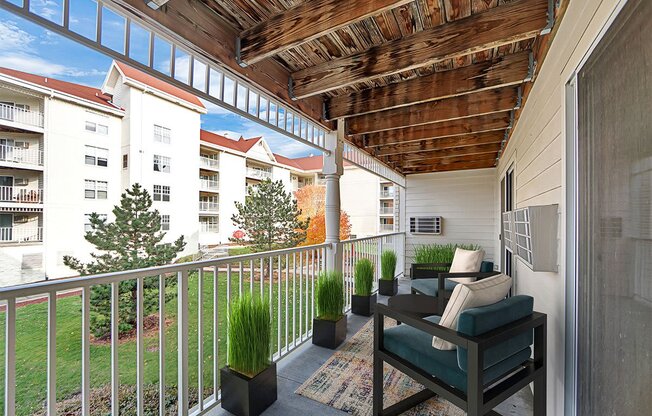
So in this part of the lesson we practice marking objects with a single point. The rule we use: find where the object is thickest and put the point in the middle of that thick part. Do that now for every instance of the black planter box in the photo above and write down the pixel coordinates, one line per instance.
(363, 305)
(329, 334)
(426, 271)
(388, 287)
(244, 396)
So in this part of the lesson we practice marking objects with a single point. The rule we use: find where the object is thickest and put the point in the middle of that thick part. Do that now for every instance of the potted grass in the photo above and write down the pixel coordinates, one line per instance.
(431, 259)
(329, 327)
(362, 301)
(388, 283)
(249, 378)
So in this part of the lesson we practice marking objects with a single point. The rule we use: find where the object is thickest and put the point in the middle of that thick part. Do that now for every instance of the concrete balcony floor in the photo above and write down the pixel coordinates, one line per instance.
(300, 365)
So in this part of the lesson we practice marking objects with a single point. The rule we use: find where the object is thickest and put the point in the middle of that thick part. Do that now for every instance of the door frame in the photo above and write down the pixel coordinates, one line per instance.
(571, 203)
(504, 198)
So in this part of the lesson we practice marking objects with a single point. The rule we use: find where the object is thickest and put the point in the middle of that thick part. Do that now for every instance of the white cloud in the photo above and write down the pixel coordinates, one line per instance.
(30, 63)
(13, 38)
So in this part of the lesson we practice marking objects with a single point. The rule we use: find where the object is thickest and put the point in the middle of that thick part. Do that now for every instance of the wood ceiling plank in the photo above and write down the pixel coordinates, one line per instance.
(499, 72)
(521, 19)
(485, 102)
(408, 135)
(305, 22)
(444, 152)
(420, 147)
(480, 164)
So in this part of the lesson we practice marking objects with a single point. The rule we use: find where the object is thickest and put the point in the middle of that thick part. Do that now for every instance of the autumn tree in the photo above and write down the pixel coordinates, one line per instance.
(311, 200)
(269, 218)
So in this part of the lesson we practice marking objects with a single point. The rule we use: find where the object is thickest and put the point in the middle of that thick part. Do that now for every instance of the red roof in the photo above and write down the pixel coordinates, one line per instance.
(158, 84)
(241, 145)
(309, 162)
(80, 91)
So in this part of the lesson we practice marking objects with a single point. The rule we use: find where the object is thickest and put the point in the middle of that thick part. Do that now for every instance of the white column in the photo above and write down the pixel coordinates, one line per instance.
(332, 170)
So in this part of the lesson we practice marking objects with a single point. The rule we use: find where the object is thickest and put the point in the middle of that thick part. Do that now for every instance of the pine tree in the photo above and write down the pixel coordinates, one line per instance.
(132, 241)
(269, 218)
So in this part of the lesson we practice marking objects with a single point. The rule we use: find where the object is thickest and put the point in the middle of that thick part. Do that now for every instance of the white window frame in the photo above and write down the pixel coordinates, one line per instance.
(161, 193)
(100, 189)
(96, 128)
(165, 222)
(96, 154)
(162, 164)
(162, 134)
(125, 161)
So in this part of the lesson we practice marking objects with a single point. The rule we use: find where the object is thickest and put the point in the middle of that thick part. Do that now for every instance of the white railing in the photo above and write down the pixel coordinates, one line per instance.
(257, 173)
(20, 195)
(20, 115)
(20, 234)
(371, 248)
(206, 206)
(286, 277)
(15, 154)
(208, 228)
(386, 210)
(209, 184)
(386, 227)
(210, 163)
(387, 193)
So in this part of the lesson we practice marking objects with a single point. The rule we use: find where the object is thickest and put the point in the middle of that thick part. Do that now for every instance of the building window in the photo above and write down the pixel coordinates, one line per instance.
(161, 193)
(161, 164)
(95, 189)
(87, 221)
(97, 128)
(161, 134)
(125, 161)
(165, 223)
(96, 156)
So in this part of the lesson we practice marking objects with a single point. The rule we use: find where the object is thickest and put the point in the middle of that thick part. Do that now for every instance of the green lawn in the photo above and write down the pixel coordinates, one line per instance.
(31, 327)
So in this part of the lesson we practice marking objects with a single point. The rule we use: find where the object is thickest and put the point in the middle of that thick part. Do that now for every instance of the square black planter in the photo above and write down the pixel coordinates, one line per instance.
(244, 396)
(388, 287)
(329, 334)
(363, 305)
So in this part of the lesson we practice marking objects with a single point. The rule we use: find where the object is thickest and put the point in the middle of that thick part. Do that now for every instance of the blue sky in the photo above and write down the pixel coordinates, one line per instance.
(28, 47)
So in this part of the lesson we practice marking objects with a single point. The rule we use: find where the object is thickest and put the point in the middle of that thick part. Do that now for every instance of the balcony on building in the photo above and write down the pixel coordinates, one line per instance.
(209, 183)
(20, 227)
(20, 112)
(209, 161)
(299, 181)
(259, 172)
(386, 208)
(209, 205)
(386, 225)
(21, 152)
(386, 190)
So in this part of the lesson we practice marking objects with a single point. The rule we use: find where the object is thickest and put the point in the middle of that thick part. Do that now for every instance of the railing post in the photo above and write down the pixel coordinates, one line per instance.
(333, 168)
(182, 342)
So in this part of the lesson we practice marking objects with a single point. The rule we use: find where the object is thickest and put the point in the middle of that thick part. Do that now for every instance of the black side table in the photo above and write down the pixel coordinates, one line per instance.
(420, 305)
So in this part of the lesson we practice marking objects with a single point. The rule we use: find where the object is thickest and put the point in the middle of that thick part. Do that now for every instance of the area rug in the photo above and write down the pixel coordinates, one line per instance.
(345, 381)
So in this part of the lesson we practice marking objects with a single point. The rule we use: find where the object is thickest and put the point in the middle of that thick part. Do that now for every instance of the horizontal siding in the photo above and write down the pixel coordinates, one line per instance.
(466, 202)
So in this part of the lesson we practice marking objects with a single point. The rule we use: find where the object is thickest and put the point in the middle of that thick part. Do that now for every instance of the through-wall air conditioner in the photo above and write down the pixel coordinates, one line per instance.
(426, 225)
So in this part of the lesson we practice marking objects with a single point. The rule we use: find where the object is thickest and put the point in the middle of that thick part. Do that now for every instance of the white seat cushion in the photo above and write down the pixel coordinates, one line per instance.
(471, 295)
(466, 261)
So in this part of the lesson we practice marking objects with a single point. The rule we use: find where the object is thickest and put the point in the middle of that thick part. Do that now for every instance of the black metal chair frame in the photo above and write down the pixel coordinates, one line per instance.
(442, 294)
(478, 401)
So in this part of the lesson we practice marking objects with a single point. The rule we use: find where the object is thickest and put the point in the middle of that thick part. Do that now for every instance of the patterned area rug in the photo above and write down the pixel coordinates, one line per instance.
(345, 381)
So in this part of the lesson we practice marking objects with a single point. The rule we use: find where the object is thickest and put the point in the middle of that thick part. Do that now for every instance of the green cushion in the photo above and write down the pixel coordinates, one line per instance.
(415, 346)
(430, 287)
(487, 266)
(477, 321)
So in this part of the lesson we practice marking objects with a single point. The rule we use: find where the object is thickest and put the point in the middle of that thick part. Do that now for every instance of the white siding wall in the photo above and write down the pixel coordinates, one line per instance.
(465, 200)
(359, 192)
(232, 188)
(536, 151)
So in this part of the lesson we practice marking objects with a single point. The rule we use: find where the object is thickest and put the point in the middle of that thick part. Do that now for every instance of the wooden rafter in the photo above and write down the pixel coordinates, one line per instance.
(486, 102)
(305, 22)
(439, 167)
(408, 135)
(412, 158)
(518, 20)
(499, 72)
(420, 148)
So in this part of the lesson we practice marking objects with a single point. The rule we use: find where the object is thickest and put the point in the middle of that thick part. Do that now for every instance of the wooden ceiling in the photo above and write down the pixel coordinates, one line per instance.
(424, 85)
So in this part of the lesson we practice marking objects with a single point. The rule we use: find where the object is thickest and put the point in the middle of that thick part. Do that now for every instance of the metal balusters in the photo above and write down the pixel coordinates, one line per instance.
(140, 353)
(52, 355)
(216, 333)
(182, 342)
(200, 337)
(115, 319)
(294, 299)
(161, 346)
(251, 277)
(300, 295)
(240, 280)
(312, 288)
(86, 351)
(228, 304)
(287, 295)
(278, 306)
(10, 358)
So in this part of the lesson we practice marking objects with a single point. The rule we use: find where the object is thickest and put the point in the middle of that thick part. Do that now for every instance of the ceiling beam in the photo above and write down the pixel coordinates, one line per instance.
(518, 20)
(499, 72)
(428, 156)
(388, 138)
(478, 164)
(448, 142)
(305, 22)
(485, 102)
(204, 31)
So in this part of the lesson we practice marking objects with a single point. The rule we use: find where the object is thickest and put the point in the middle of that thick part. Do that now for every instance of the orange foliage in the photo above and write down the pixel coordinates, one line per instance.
(310, 200)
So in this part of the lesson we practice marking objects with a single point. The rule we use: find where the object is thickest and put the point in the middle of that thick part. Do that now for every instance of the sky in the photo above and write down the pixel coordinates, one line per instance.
(27, 47)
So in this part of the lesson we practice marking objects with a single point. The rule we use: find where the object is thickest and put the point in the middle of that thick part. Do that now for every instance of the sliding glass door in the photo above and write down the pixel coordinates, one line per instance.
(614, 218)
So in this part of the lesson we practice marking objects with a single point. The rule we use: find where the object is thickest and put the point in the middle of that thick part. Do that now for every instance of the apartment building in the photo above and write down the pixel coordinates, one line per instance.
(68, 150)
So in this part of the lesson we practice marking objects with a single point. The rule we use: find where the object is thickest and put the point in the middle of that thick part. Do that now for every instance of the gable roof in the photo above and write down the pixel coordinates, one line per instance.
(241, 145)
(83, 92)
(153, 82)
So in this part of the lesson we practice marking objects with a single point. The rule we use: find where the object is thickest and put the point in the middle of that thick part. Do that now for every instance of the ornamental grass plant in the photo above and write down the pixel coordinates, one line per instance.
(249, 332)
(364, 277)
(387, 265)
(439, 253)
(330, 296)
